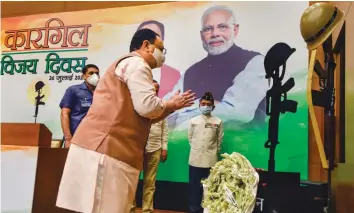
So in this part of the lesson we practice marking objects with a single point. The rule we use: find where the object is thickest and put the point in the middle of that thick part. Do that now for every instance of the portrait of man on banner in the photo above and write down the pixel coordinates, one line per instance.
(234, 75)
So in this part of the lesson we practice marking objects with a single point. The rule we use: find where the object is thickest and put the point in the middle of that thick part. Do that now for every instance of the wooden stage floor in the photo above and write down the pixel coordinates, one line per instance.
(159, 211)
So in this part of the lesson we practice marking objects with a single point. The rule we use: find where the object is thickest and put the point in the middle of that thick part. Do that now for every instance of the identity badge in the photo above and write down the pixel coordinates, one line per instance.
(86, 102)
(211, 125)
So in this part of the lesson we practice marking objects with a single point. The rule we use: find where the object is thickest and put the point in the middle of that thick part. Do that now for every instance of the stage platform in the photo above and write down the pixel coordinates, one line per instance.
(34, 171)
(159, 211)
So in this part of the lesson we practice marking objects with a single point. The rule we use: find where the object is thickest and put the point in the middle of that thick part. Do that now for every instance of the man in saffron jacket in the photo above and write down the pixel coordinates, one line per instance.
(106, 155)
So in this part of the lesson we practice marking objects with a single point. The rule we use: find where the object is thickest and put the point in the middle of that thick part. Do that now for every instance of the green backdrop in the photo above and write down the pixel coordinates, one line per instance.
(291, 154)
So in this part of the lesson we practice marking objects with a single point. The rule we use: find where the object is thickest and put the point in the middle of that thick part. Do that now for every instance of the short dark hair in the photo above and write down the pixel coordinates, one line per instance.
(208, 96)
(140, 36)
(158, 24)
(89, 66)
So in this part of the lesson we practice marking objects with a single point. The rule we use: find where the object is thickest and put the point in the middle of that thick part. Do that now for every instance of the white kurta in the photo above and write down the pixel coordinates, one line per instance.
(96, 183)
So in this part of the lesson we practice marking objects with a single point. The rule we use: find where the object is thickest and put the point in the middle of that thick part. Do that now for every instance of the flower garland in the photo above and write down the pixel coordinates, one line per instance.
(231, 186)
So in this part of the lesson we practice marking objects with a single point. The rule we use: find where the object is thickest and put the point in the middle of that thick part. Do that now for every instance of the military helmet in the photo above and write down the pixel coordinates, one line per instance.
(276, 57)
(39, 85)
(318, 22)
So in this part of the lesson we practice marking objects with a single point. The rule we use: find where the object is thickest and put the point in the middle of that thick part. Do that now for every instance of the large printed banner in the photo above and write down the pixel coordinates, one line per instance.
(216, 47)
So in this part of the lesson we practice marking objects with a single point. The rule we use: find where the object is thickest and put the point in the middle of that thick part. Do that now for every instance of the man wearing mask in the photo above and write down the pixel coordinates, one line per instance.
(205, 135)
(106, 155)
(167, 76)
(77, 101)
(155, 152)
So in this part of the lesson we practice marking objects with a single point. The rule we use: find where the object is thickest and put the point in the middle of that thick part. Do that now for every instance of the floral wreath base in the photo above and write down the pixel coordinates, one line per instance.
(231, 186)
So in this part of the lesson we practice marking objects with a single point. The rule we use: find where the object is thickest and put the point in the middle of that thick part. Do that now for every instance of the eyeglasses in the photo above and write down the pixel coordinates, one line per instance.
(162, 49)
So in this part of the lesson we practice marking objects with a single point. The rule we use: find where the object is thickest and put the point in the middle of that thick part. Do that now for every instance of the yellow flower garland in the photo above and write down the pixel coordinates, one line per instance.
(231, 186)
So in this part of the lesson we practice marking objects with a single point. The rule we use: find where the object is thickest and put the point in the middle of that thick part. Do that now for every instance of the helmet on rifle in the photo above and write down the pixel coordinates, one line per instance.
(318, 22)
(39, 85)
(276, 57)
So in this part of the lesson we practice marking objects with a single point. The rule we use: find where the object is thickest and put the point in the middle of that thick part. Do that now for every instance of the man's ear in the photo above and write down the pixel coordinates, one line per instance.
(202, 36)
(236, 28)
(146, 44)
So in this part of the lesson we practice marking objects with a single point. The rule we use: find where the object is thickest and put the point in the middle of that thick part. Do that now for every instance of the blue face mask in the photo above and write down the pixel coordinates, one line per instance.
(206, 110)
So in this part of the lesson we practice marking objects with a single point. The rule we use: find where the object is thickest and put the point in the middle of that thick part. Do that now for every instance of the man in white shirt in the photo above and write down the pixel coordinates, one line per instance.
(155, 151)
(205, 135)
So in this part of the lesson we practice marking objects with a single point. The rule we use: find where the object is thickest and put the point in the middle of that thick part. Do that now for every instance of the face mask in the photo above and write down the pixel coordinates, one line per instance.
(159, 57)
(206, 110)
(93, 80)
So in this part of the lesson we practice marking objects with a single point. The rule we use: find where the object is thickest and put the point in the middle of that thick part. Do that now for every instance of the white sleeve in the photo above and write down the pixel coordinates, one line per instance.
(136, 73)
(164, 138)
(241, 100)
(220, 136)
(190, 132)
